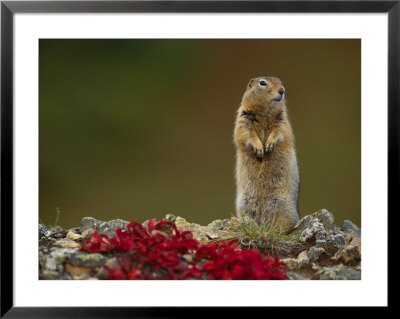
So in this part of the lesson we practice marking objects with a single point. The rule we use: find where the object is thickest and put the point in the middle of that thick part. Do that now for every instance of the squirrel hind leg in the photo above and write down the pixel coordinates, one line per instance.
(282, 213)
(244, 208)
(285, 222)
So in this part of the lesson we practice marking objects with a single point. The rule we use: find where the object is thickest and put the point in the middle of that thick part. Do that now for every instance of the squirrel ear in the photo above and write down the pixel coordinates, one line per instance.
(250, 83)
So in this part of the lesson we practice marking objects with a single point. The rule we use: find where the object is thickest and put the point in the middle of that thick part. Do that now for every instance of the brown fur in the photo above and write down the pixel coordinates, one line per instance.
(267, 173)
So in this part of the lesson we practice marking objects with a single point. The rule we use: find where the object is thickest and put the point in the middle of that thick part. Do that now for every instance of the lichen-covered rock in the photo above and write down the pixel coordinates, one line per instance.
(349, 226)
(355, 240)
(318, 227)
(315, 267)
(325, 218)
(337, 240)
(219, 224)
(182, 224)
(58, 232)
(314, 253)
(44, 231)
(291, 263)
(89, 222)
(57, 257)
(88, 232)
(315, 231)
(87, 259)
(118, 223)
(295, 276)
(347, 254)
(315, 226)
(339, 272)
(74, 236)
(204, 234)
(66, 243)
(303, 259)
(108, 228)
(314, 243)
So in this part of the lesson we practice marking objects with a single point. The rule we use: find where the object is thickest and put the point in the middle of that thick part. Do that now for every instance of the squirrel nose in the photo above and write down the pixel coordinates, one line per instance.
(281, 91)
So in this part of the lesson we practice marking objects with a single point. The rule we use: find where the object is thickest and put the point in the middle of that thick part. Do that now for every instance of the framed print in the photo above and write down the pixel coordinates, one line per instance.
(233, 145)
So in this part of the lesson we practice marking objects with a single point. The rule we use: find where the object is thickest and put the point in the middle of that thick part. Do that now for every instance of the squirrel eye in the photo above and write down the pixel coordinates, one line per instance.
(263, 83)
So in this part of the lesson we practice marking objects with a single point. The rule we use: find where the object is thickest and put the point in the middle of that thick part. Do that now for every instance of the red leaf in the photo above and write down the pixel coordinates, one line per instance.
(150, 225)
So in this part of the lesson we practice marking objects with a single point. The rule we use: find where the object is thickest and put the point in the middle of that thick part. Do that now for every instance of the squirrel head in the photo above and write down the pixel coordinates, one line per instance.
(265, 90)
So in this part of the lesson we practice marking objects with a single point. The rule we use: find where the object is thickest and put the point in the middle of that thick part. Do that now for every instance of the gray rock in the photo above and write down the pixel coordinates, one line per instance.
(87, 259)
(89, 222)
(314, 230)
(56, 258)
(118, 223)
(326, 219)
(59, 232)
(339, 272)
(303, 223)
(314, 253)
(290, 263)
(44, 231)
(183, 224)
(338, 240)
(347, 254)
(219, 224)
(303, 259)
(66, 243)
(108, 228)
(294, 276)
(337, 230)
(349, 227)
(315, 226)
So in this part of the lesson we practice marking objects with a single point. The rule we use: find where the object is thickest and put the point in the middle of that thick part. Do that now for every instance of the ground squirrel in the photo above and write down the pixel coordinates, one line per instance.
(267, 175)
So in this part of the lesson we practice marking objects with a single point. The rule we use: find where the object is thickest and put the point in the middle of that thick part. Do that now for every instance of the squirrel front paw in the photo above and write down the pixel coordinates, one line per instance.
(269, 147)
(259, 152)
(257, 148)
(273, 139)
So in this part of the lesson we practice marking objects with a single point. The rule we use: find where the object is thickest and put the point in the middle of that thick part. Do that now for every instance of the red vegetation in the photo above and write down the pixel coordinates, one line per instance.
(227, 261)
(163, 252)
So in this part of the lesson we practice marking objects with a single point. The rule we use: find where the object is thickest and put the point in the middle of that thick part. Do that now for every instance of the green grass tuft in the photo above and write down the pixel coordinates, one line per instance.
(267, 236)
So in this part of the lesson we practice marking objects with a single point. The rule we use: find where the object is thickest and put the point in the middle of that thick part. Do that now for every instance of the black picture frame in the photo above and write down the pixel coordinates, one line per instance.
(9, 8)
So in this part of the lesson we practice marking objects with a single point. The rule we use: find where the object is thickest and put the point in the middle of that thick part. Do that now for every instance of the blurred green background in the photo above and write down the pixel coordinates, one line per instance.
(136, 129)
